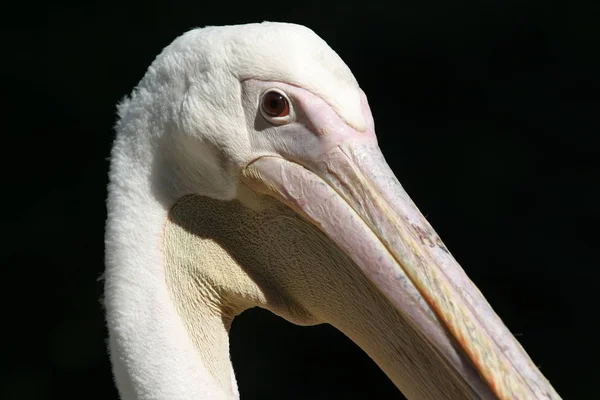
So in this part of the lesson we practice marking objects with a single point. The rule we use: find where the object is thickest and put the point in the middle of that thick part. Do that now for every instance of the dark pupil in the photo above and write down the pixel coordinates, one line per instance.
(274, 104)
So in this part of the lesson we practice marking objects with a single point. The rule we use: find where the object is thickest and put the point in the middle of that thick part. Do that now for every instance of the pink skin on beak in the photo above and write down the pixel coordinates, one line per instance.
(336, 177)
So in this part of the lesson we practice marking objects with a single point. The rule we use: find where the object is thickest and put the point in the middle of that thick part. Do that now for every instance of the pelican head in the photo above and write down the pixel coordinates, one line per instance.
(246, 172)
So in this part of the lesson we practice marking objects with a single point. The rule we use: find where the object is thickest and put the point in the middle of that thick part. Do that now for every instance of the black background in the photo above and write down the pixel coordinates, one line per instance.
(485, 110)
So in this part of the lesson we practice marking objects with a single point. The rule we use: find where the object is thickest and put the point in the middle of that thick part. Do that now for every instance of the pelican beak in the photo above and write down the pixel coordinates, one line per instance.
(352, 196)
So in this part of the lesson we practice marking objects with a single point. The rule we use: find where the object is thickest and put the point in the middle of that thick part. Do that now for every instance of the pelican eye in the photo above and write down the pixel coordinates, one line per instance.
(275, 104)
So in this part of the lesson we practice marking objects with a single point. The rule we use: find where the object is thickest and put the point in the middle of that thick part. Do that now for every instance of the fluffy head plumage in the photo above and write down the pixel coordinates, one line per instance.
(277, 52)
(190, 96)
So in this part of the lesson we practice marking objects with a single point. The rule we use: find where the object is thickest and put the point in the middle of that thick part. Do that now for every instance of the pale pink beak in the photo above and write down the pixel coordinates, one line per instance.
(344, 187)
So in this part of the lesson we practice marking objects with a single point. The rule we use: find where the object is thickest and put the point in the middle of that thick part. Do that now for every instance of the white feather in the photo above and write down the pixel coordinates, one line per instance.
(184, 130)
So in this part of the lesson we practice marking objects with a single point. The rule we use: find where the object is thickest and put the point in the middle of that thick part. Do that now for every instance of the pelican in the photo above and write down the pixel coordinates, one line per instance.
(246, 172)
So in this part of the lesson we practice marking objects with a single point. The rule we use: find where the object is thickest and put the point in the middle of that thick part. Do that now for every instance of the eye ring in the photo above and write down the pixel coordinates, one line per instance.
(276, 107)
